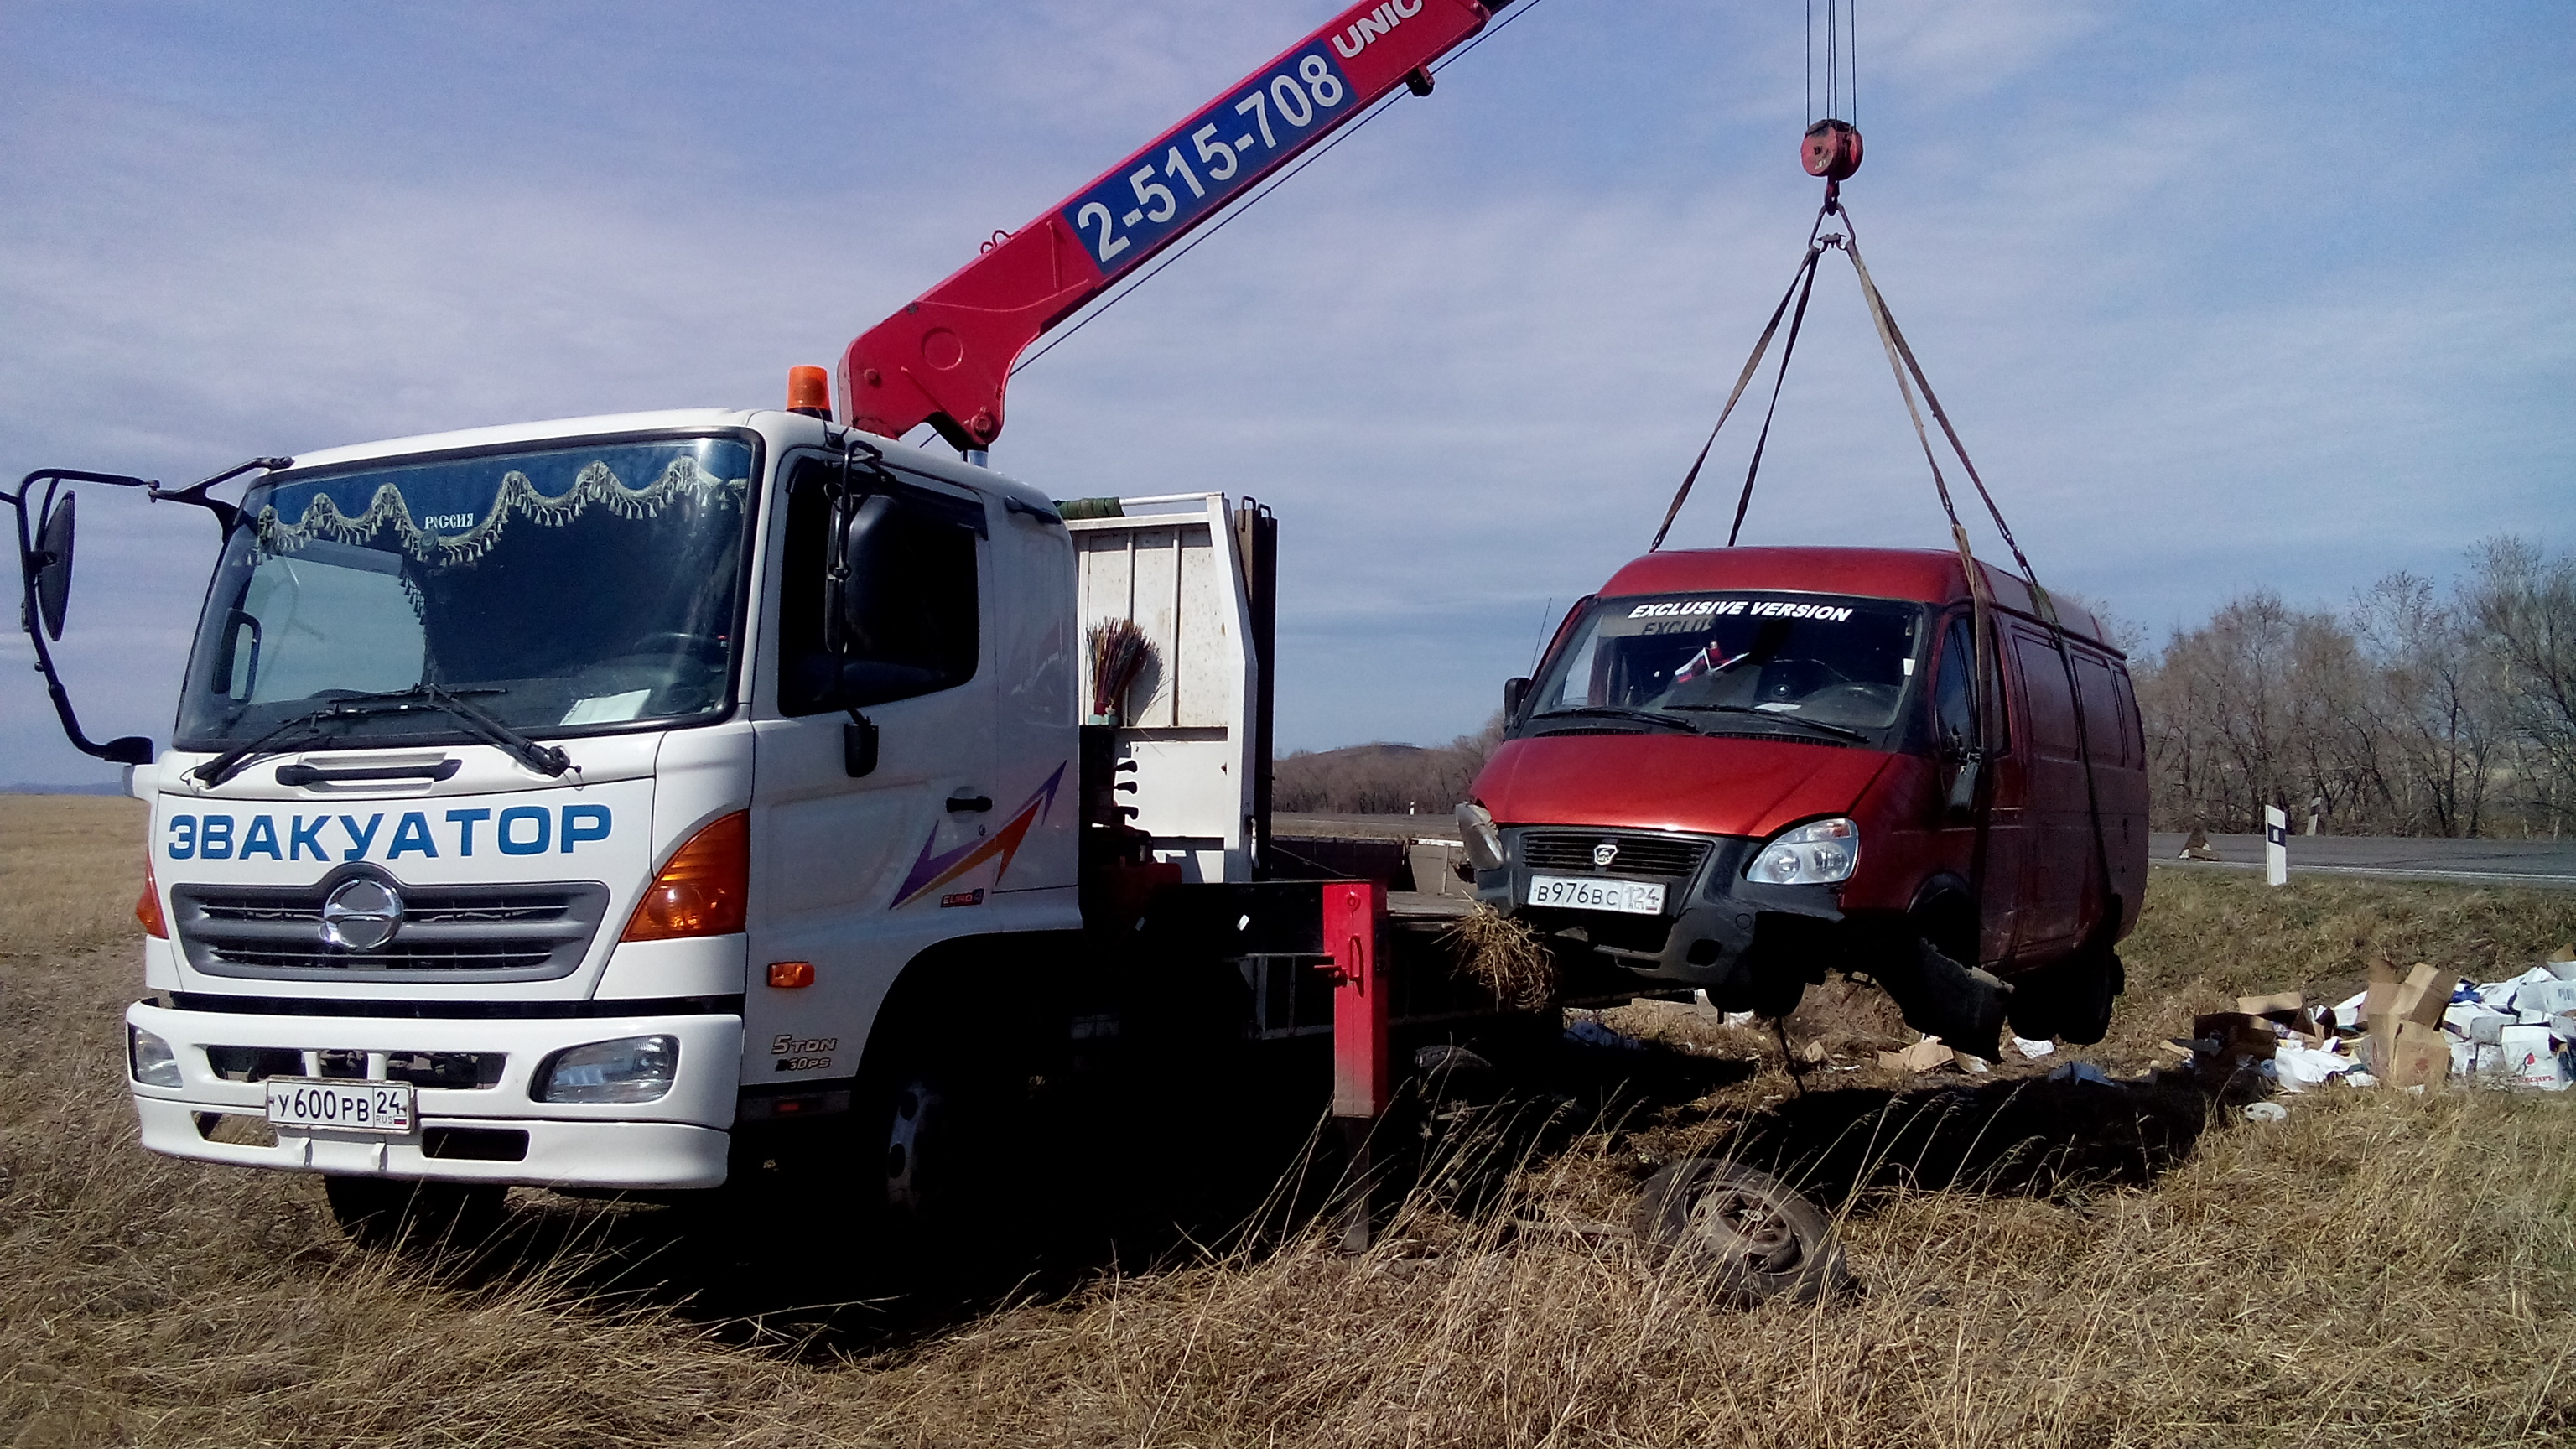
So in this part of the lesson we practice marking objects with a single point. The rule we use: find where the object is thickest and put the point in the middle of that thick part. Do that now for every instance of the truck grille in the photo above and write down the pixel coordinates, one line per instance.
(456, 1071)
(1666, 855)
(450, 933)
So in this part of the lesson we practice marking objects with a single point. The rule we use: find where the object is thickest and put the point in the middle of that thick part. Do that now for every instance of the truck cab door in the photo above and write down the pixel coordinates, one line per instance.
(873, 774)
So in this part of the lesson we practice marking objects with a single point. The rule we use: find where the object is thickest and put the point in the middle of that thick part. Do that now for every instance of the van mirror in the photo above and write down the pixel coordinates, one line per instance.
(1513, 691)
(1965, 765)
(52, 566)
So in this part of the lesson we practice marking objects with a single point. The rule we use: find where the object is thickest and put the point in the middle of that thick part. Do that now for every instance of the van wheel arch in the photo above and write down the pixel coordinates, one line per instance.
(1944, 913)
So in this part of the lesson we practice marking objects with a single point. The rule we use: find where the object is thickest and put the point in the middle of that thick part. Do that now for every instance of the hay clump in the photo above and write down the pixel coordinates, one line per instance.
(1505, 957)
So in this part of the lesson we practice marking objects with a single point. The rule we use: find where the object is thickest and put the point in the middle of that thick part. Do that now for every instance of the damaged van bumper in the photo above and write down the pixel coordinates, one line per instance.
(1740, 940)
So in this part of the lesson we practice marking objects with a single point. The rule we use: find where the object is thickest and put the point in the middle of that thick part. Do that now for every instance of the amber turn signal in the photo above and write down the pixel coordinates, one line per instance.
(147, 909)
(809, 391)
(788, 975)
(704, 888)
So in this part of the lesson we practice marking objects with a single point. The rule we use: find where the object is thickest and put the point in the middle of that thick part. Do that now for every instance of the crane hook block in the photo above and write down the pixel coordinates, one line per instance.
(1831, 150)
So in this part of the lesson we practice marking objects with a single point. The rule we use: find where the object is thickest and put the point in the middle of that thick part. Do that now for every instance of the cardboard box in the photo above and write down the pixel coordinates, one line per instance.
(2419, 1056)
(2282, 1002)
(2379, 1009)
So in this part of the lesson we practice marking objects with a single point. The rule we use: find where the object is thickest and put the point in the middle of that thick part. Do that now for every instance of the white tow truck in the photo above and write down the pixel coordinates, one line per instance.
(640, 803)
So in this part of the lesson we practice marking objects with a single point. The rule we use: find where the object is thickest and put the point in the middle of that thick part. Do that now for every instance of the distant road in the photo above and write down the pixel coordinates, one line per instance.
(2463, 862)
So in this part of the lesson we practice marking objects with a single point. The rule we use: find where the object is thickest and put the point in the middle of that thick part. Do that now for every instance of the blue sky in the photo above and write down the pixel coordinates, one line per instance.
(2222, 296)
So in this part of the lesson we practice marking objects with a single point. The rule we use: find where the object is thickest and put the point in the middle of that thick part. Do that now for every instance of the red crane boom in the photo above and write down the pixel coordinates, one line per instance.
(946, 358)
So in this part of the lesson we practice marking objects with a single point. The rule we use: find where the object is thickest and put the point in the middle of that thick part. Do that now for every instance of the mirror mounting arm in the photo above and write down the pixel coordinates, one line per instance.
(126, 749)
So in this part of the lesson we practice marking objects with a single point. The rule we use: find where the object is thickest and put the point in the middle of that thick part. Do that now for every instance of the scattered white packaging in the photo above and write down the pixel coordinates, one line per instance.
(2464, 1054)
(2563, 970)
(2348, 1012)
(2483, 1027)
(2300, 1067)
(2033, 1050)
(2548, 997)
(2530, 1060)
(2458, 1018)
(2486, 1058)
(2563, 1027)
(1740, 1018)
(2266, 1112)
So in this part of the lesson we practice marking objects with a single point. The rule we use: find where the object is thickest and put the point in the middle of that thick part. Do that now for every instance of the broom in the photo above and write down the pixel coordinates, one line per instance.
(1119, 653)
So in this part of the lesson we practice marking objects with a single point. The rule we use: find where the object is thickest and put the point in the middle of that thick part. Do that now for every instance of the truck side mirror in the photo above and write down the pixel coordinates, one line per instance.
(1513, 691)
(52, 565)
(857, 556)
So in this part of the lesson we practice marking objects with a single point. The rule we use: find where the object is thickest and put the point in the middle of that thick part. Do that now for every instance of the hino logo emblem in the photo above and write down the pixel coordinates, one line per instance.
(361, 915)
(1604, 853)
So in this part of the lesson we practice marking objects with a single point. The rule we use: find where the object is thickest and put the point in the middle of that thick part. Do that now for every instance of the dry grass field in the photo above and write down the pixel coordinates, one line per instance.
(2042, 1262)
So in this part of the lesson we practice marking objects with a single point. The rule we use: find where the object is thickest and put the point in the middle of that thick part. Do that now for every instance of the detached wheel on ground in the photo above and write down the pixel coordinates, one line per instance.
(383, 1212)
(1754, 1237)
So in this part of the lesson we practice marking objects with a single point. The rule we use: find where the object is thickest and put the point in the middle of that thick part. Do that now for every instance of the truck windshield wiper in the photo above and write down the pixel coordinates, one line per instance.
(543, 759)
(1844, 731)
(1621, 711)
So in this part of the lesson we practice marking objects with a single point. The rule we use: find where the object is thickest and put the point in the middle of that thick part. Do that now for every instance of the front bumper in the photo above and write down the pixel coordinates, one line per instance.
(1719, 931)
(680, 1141)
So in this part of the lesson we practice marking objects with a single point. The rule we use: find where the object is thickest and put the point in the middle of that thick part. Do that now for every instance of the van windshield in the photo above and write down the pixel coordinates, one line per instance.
(561, 590)
(1799, 665)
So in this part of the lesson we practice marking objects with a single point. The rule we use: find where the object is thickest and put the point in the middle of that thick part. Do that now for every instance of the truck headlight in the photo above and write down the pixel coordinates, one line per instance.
(1819, 852)
(1476, 831)
(151, 1059)
(629, 1069)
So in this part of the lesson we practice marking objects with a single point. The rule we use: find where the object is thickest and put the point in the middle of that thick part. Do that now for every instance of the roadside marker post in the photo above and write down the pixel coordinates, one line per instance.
(2276, 846)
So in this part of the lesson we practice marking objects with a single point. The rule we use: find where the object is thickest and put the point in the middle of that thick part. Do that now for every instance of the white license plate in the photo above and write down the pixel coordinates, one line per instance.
(1629, 897)
(347, 1106)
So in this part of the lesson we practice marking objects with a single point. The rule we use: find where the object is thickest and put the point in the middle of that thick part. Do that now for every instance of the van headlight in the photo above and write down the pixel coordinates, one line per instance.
(1476, 831)
(152, 1061)
(1819, 852)
(629, 1069)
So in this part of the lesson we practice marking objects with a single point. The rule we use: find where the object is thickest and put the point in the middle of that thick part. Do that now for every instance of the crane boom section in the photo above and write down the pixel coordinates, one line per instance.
(946, 358)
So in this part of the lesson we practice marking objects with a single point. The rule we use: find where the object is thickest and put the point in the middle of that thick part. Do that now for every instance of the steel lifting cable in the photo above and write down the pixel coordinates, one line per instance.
(1800, 284)
(1909, 376)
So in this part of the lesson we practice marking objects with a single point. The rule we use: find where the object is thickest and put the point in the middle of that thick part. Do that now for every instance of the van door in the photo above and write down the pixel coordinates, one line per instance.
(873, 774)
(2061, 880)
(1980, 781)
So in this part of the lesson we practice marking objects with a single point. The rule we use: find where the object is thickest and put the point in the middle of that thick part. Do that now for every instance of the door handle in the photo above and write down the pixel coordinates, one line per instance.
(963, 804)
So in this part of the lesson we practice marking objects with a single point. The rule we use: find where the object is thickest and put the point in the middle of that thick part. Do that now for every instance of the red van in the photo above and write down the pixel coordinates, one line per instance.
(1738, 769)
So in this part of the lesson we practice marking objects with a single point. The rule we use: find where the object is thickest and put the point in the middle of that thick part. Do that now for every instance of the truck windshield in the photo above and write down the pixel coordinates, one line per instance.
(563, 590)
(1807, 665)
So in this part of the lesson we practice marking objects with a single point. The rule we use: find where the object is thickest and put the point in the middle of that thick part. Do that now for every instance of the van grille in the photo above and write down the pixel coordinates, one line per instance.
(449, 933)
(1666, 855)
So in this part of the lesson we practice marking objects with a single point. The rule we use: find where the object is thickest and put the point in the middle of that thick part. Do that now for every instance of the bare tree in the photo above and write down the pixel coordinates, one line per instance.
(2525, 608)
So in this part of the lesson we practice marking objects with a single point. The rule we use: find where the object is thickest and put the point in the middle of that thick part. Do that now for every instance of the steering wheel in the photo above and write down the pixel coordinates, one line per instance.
(675, 641)
(1786, 679)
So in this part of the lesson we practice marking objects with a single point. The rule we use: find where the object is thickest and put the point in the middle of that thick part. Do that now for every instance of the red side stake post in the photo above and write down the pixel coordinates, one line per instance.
(1354, 922)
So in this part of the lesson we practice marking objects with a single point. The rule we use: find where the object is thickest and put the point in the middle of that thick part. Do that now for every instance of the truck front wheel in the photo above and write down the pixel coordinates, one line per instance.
(384, 1212)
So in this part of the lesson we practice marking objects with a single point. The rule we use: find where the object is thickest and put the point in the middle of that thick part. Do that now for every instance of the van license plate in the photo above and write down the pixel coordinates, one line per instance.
(1628, 897)
(345, 1105)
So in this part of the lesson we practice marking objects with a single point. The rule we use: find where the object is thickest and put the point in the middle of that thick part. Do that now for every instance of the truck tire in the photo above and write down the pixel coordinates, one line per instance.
(1754, 1237)
(388, 1212)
